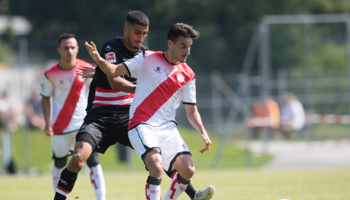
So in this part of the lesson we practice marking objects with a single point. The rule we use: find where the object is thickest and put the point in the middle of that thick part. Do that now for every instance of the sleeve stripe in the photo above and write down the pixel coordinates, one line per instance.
(189, 103)
(127, 68)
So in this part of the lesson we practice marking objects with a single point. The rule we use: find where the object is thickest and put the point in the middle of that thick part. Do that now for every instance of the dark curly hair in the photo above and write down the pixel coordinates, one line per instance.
(180, 29)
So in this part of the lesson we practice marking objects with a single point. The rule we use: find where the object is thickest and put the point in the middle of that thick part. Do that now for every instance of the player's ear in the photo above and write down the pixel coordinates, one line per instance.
(170, 43)
(125, 29)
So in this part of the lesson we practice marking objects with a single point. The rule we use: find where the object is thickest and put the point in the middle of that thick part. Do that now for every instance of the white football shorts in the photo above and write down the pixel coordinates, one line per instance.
(63, 145)
(166, 138)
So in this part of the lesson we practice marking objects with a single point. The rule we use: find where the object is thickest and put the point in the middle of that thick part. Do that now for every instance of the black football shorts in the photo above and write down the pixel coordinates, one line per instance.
(102, 130)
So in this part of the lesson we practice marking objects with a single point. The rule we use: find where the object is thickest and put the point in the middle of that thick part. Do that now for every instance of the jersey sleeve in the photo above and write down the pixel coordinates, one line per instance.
(46, 87)
(189, 94)
(134, 65)
(109, 53)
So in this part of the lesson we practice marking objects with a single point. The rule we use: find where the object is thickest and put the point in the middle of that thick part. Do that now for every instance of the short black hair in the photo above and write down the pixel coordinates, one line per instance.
(137, 17)
(65, 36)
(180, 29)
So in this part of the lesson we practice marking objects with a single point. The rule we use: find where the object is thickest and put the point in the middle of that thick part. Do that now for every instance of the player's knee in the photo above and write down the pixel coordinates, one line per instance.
(188, 172)
(76, 163)
(93, 161)
(60, 162)
(154, 163)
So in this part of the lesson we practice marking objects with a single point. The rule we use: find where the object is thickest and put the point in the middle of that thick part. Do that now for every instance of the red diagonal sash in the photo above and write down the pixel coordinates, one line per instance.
(68, 108)
(158, 97)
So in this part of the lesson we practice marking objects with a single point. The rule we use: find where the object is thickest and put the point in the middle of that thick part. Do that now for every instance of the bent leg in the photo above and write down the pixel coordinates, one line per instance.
(154, 165)
(82, 151)
(62, 146)
(185, 170)
(60, 163)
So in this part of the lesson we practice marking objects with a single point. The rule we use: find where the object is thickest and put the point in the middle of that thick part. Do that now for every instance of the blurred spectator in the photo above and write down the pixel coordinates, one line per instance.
(33, 111)
(267, 109)
(9, 110)
(292, 115)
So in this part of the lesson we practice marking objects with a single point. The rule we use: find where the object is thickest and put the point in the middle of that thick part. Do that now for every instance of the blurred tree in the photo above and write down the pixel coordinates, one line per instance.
(226, 26)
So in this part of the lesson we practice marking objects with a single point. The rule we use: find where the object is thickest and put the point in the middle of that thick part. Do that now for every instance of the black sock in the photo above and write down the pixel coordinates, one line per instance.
(190, 191)
(65, 184)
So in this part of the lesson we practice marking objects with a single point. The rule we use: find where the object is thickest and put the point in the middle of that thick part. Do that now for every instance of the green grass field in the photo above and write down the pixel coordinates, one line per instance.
(332, 184)
(231, 179)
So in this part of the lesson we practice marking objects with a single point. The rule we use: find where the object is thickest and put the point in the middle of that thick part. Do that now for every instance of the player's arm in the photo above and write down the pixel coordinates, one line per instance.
(86, 71)
(111, 70)
(46, 108)
(194, 118)
(119, 83)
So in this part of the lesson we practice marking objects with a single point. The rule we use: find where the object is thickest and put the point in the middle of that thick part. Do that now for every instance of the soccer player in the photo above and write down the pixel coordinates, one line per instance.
(164, 79)
(109, 102)
(69, 93)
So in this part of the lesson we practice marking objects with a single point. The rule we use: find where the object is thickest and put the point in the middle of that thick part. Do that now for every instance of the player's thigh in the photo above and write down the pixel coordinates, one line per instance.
(172, 146)
(63, 144)
(143, 139)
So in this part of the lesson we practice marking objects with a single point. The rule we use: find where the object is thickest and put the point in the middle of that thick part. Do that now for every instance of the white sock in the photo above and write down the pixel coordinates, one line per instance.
(176, 188)
(153, 192)
(98, 182)
(56, 174)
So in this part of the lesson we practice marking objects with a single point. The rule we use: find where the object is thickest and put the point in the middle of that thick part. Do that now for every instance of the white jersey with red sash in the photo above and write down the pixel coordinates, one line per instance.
(69, 94)
(160, 89)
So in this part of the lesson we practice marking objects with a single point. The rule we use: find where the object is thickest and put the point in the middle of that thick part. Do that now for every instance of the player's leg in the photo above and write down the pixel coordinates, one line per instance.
(59, 164)
(205, 194)
(82, 151)
(185, 170)
(176, 155)
(154, 165)
(62, 146)
(145, 144)
(96, 176)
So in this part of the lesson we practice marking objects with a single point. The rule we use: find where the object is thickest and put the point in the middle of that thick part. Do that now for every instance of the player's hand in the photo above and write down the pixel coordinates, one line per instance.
(86, 71)
(93, 51)
(207, 141)
(48, 130)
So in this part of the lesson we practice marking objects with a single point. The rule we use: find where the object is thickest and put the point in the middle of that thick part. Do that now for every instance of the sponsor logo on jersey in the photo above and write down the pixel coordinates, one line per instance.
(180, 77)
(110, 57)
(108, 48)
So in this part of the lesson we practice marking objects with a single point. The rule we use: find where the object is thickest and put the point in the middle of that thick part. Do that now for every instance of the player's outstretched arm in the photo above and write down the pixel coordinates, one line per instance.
(194, 118)
(111, 70)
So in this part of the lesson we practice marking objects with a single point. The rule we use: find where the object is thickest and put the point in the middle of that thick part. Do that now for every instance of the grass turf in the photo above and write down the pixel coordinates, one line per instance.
(327, 184)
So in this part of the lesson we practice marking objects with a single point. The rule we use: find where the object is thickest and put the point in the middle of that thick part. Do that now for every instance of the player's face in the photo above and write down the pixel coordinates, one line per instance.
(135, 35)
(181, 48)
(68, 49)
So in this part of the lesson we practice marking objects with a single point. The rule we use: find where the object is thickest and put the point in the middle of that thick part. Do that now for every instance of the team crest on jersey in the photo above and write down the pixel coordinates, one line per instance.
(110, 57)
(180, 77)
(108, 48)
